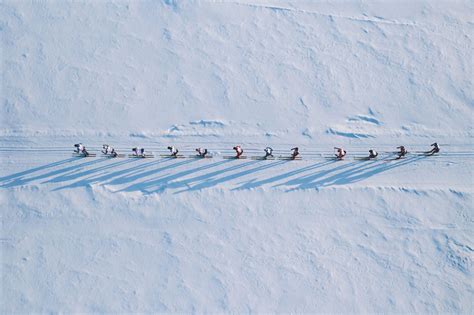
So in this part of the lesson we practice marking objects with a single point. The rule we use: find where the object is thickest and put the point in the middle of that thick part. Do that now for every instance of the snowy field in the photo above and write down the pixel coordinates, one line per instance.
(102, 235)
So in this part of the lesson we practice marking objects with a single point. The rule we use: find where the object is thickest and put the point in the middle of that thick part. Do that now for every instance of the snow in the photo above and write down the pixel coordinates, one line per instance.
(101, 235)
(287, 66)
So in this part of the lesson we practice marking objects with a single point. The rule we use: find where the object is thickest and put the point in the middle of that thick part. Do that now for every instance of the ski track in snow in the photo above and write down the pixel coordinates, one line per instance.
(179, 175)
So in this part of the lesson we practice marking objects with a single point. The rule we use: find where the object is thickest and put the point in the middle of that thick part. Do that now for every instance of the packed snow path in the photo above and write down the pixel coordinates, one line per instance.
(446, 170)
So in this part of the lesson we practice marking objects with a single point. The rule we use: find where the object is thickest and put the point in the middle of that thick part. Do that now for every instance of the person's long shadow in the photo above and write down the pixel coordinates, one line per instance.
(15, 176)
(188, 181)
(79, 173)
(140, 171)
(364, 171)
(311, 177)
(207, 183)
(123, 175)
(353, 177)
(20, 180)
(167, 181)
(87, 177)
(117, 177)
(208, 176)
(255, 183)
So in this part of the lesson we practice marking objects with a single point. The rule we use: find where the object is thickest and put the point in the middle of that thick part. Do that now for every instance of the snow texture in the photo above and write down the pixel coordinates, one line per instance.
(101, 235)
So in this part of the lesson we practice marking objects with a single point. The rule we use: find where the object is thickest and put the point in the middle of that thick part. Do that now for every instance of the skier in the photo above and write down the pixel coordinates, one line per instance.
(295, 152)
(434, 150)
(373, 154)
(201, 152)
(402, 152)
(268, 152)
(341, 153)
(238, 151)
(109, 150)
(138, 151)
(173, 151)
(80, 148)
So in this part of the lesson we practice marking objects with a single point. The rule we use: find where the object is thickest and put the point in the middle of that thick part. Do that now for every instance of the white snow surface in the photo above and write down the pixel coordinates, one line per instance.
(101, 235)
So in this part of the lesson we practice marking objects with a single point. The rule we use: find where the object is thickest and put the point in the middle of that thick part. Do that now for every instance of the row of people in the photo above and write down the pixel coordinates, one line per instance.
(268, 152)
(202, 152)
(402, 151)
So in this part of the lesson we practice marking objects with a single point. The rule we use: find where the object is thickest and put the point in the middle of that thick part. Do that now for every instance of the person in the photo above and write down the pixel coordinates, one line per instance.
(402, 152)
(341, 153)
(294, 152)
(107, 149)
(80, 148)
(373, 154)
(202, 152)
(138, 151)
(268, 152)
(434, 150)
(173, 151)
(238, 151)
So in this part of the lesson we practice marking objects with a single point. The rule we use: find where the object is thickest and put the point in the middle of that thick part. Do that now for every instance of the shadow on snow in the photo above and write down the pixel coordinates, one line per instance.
(152, 176)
